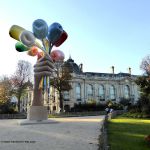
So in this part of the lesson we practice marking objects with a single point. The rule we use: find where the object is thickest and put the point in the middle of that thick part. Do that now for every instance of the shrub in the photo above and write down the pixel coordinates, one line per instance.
(147, 139)
(7, 108)
(114, 105)
(125, 101)
(88, 107)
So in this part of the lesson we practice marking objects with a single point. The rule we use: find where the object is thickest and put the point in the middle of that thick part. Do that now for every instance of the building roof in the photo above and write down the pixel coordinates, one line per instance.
(107, 74)
(73, 67)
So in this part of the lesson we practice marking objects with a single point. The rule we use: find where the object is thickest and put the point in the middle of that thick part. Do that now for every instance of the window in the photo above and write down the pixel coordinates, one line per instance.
(112, 92)
(101, 93)
(90, 90)
(66, 96)
(78, 91)
(54, 108)
(127, 92)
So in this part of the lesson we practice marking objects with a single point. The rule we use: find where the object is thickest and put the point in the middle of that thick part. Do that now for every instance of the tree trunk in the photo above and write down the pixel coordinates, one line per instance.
(19, 100)
(18, 104)
(61, 102)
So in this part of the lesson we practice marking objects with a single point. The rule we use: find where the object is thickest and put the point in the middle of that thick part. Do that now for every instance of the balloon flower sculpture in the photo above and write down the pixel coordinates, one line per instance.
(54, 35)
(39, 43)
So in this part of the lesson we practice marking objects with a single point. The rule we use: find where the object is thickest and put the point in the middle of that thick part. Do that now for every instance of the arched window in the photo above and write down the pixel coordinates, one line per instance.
(127, 92)
(90, 90)
(112, 92)
(66, 95)
(78, 91)
(101, 93)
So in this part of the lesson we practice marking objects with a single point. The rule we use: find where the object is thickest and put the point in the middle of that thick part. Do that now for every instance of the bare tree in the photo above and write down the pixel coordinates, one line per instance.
(144, 83)
(61, 81)
(145, 65)
(21, 79)
(5, 90)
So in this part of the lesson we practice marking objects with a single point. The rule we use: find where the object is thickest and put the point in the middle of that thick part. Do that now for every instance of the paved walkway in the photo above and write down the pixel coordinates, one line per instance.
(75, 133)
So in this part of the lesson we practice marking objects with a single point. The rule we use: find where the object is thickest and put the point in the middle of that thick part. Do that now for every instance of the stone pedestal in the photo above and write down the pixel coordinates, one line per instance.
(37, 113)
(32, 122)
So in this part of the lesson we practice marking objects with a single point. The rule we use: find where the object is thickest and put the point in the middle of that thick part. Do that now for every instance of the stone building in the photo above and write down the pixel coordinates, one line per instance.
(91, 86)
(99, 87)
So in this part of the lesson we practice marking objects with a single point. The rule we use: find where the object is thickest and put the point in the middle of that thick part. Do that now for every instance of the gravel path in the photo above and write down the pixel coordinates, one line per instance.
(74, 133)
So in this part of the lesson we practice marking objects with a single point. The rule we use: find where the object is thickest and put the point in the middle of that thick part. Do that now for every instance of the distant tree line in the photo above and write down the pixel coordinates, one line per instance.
(143, 82)
(15, 85)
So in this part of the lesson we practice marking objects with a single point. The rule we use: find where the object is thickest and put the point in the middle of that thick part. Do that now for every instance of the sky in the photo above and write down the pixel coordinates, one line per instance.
(101, 33)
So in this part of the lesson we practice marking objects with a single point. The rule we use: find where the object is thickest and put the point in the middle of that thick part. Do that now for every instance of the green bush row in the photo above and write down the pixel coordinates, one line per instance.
(136, 115)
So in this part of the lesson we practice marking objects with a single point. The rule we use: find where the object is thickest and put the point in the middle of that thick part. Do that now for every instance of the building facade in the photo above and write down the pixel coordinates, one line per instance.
(99, 87)
(89, 86)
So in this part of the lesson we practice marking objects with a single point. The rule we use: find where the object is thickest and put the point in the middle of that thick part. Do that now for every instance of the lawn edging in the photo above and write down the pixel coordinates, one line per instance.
(103, 137)
(103, 140)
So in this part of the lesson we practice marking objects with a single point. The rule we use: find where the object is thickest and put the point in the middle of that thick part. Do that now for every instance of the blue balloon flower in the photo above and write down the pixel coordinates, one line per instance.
(40, 28)
(55, 32)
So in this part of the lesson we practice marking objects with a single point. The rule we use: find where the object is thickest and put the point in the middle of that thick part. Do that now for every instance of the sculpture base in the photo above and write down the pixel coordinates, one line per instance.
(37, 113)
(31, 122)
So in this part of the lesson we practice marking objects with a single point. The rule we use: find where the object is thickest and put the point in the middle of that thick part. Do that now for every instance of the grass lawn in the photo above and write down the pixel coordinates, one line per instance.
(128, 134)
